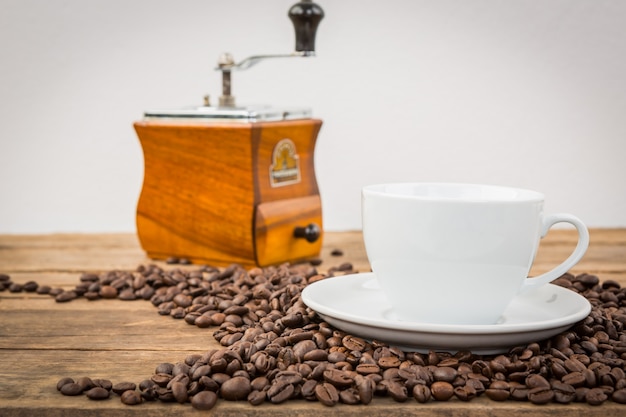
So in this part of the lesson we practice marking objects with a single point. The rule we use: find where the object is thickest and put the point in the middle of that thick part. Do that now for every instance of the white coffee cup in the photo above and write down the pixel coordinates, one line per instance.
(457, 253)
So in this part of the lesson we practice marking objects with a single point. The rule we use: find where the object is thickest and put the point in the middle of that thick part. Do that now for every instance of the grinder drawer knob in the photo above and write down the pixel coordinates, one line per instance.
(311, 232)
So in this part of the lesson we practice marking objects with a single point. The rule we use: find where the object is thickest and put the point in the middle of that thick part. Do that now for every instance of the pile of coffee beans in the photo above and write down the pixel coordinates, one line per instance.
(274, 348)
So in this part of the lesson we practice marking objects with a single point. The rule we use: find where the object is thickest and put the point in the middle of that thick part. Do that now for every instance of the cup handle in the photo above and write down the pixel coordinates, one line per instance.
(579, 251)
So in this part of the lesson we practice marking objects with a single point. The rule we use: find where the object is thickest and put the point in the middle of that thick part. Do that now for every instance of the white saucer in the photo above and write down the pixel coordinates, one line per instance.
(355, 304)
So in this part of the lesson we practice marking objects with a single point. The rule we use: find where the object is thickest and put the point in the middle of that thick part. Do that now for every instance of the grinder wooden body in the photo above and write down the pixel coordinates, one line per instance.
(222, 193)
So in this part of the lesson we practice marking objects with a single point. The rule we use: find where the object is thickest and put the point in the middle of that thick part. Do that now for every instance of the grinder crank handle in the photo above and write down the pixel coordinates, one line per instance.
(306, 17)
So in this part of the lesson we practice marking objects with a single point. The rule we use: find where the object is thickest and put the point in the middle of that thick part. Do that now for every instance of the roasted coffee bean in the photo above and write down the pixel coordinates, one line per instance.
(465, 392)
(367, 368)
(519, 393)
(179, 391)
(65, 296)
(442, 390)
(396, 390)
(537, 381)
(317, 355)
(209, 383)
(85, 383)
(256, 397)
(41, 289)
(280, 392)
(103, 383)
(619, 396)
(540, 395)
(498, 391)
(326, 394)
(595, 396)
(63, 381)
(365, 387)
(354, 343)
(164, 368)
(444, 373)
(574, 365)
(55, 291)
(71, 388)
(204, 400)
(421, 393)
(338, 378)
(106, 291)
(161, 379)
(97, 393)
(308, 389)
(563, 393)
(303, 347)
(131, 398)
(236, 388)
(121, 387)
(576, 379)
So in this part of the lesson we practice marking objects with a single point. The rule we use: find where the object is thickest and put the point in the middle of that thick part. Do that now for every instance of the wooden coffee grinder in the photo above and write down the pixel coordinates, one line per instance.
(228, 184)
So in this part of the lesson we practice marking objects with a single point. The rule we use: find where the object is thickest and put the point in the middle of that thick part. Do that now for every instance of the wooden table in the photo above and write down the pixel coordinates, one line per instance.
(42, 341)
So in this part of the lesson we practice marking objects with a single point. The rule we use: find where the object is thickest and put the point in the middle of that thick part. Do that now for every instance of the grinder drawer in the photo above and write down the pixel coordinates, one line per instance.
(288, 230)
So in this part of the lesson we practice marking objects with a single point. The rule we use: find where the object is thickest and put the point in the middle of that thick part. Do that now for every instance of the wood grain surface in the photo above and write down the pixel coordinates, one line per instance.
(42, 341)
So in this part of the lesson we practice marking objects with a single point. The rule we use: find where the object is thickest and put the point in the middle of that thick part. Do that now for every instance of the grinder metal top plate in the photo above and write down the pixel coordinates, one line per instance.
(248, 114)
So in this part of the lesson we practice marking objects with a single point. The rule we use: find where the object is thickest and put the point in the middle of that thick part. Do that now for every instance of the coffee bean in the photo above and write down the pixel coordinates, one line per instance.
(563, 393)
(537, 381)
(354, 343)
(64, 381)
(519, 393)
(71, 388)
(256, 397)
(179, 391)
(107, 291)
(397, 391)
(444, 373)
(131, 398)
(164, 368)
(540, 395)
(97, 393)
(338, 378)
(204, 400)
(387, 362)
(326, 394)
(574, 365)
(442, 390)
(103, 383)
(236, 388)
(367, 368)
(421, 393)
(619, 396)
(365, 387)
(595, 396)
(280, 392)
(42, 289)
(465, 392)
(66, 296)
(498, 391)
(576, 379)
(85, 383)
(122, 387)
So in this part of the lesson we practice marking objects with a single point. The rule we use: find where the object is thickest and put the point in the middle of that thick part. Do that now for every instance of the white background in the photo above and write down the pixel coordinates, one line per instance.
(522, 93)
